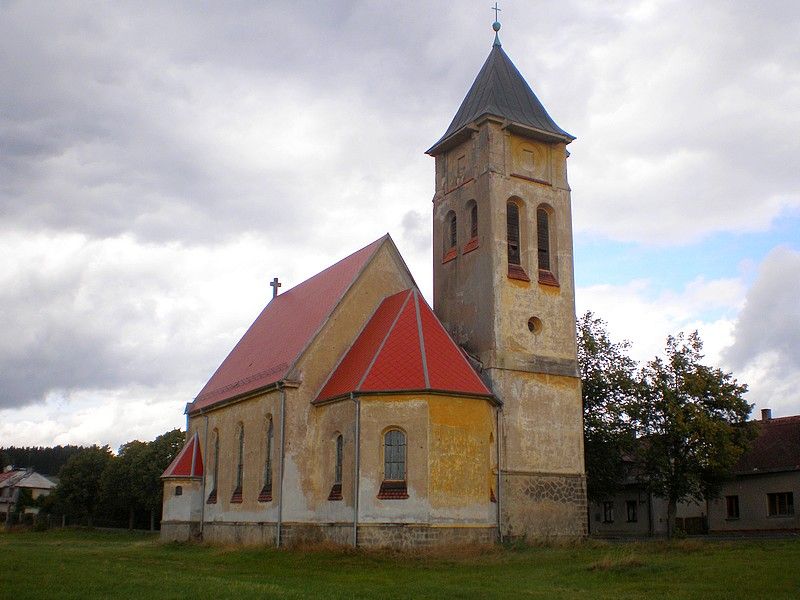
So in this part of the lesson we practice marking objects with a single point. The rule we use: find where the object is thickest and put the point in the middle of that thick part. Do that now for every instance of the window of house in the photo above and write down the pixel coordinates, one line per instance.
(212, 496)
(630, 507)
(237, 492)
(780, 504)
(266, 490)
(178, 490)
(394, 465)
(732, 507)
(512, 233)
(543, 237)
(336, 490)
(608, 512)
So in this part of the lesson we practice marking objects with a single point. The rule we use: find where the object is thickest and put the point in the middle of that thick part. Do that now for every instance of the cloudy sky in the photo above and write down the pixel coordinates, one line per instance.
(161, 162)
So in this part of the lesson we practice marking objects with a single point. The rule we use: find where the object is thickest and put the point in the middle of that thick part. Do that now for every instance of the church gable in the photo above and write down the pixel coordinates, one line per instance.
(275, 341)
(403, 347)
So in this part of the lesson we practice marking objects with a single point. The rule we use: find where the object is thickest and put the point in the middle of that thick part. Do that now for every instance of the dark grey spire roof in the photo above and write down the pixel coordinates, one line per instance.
(500, 90)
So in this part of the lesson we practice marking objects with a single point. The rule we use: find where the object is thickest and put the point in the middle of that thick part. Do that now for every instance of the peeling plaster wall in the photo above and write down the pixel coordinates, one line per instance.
(252, 413)
(445, 485)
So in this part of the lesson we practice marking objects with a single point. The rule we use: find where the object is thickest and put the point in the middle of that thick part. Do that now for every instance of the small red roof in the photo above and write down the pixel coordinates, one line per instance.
(189, 462)
(403, 347)
(274, 342)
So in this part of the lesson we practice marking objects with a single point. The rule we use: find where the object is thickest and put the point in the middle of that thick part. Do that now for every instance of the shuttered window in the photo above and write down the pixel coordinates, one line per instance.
(543, 237)
(512, 233)
(452, 231)
(473, 221)
(394, 455)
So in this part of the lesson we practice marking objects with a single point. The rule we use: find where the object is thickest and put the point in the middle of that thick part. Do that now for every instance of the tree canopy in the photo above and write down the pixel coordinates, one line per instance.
(675, 425)
(609, 386)
(693, 422)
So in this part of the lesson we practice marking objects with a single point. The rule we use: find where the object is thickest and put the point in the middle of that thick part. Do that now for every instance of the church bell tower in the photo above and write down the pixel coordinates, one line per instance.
(504, 289)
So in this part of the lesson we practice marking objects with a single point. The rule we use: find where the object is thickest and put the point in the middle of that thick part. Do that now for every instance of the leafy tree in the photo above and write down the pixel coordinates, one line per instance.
(119, 485)
(693, 419)
(79, 490)
(609, 386)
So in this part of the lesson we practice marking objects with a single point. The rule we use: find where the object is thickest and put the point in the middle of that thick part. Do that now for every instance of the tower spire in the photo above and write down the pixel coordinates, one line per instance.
(496, 25)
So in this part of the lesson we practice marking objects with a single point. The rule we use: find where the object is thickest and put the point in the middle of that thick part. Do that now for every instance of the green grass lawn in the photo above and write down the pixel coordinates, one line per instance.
(95, 564)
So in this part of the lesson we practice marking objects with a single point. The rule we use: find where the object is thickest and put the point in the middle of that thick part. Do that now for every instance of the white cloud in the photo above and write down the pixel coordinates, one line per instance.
(637, 312)
(766, 336)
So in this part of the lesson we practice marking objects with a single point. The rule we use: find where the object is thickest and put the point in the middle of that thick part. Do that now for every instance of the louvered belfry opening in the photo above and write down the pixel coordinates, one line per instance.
(452, 230)
(512, 233)
(473, 221)
(543, 237)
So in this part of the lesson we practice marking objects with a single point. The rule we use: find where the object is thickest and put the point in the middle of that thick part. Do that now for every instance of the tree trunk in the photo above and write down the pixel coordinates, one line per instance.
(130, 518)
(152, 520)
(672, 511)
(89, 521)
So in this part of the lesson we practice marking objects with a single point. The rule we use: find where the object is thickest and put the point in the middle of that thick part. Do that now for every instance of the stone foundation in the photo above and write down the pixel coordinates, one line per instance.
(421, 536)
(172, 531)
(540, 506)
(379, 535)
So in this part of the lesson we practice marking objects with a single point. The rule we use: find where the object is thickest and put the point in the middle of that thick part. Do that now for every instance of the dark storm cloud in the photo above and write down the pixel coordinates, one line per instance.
(303, 123)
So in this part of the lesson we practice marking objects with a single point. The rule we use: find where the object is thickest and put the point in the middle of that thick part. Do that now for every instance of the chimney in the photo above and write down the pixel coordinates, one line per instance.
(766, 414)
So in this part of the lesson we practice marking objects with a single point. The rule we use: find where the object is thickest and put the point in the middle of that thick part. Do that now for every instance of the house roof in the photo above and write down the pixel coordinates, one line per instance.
(500, 90)
(274, 342)
(188, 463)
(403, 347)
(777, 447)
(22, 478)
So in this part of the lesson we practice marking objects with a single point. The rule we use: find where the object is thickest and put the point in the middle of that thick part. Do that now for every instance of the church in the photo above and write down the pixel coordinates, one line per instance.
(352, 411)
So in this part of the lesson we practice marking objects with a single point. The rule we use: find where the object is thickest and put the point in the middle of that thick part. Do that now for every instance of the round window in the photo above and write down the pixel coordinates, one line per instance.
(535, 325)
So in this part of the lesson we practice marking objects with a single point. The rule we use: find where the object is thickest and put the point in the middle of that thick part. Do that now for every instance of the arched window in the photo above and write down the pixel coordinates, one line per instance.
(512, 233)
(451, 235)
(337, 475)
(266, 490)
(237, 492)
(394, 465)
(473, 221)
(212, 496)
(336, 490)
(543, 237)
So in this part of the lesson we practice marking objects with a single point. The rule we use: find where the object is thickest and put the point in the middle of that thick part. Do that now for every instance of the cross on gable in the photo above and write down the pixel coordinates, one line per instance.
(274, 284)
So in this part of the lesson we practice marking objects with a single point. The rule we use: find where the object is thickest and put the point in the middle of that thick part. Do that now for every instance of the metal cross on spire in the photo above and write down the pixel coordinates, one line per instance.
(496, 24)
(274, 284)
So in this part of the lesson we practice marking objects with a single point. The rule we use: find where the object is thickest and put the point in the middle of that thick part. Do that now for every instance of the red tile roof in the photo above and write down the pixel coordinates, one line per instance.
(403, 347)
(777, 447)
(189, 462)
(274, 342)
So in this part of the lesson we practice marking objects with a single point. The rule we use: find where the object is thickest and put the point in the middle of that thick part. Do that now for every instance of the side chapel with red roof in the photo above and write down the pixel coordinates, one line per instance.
(352, 411)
